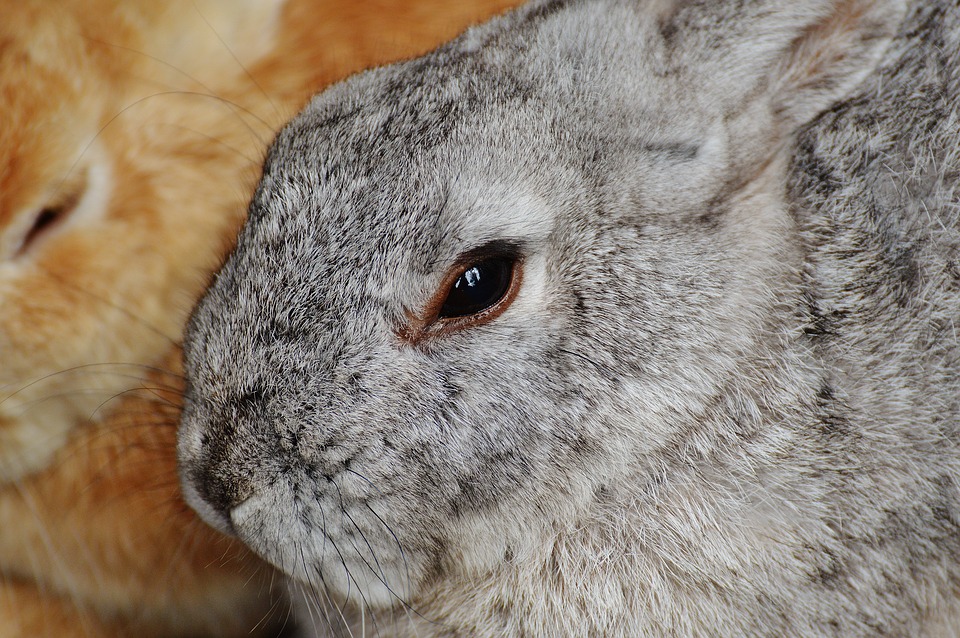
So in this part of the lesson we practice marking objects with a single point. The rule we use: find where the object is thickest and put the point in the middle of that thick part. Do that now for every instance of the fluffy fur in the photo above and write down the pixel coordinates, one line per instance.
(132, 137)
(724, 401)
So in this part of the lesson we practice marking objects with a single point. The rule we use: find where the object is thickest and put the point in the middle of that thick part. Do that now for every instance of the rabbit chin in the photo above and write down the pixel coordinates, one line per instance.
(324, 549)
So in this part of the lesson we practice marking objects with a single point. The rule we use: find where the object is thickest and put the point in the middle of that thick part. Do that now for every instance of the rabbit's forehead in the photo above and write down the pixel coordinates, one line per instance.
(479, 211)
(402, 169)
(389, 232)
(361, 225)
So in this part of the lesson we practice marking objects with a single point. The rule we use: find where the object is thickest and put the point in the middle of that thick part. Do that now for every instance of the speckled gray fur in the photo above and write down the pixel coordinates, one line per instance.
(725, 400)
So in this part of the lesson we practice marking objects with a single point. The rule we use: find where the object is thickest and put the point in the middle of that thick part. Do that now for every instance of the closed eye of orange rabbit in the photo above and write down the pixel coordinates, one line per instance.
(132, 136)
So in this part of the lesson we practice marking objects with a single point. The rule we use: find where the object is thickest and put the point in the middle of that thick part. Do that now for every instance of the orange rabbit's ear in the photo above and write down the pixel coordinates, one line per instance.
(208, 38)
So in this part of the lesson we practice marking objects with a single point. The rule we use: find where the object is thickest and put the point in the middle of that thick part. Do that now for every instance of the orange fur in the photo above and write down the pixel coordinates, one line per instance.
(153, 117)
(103, 526)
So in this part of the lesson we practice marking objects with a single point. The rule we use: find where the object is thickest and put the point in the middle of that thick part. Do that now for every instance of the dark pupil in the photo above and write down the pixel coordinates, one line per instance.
(479, 287)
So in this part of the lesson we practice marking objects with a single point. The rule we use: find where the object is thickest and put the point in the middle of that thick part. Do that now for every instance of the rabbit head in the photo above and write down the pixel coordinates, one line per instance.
(480, 289)
(133, 132)
(122, 122)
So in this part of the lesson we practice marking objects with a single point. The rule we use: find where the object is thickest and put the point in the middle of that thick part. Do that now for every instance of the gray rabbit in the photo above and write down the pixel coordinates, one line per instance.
(610, 318)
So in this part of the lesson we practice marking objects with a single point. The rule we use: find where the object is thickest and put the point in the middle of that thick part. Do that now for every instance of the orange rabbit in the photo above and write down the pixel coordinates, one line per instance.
(131, 137)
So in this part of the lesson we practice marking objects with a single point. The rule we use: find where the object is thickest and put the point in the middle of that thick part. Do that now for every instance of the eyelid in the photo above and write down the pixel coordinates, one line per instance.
(497, 249)
(70, 190)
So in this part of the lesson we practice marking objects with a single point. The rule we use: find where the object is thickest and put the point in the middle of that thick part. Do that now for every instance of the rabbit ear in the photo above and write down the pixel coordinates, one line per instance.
(803, 54)
(832, 55)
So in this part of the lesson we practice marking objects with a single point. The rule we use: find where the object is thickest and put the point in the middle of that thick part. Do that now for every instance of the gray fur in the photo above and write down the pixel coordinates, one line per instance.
(726, 400)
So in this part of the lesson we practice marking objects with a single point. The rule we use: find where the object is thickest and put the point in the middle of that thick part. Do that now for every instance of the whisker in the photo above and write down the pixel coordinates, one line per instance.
(382, 575)
(270, 613)
(403, 554)
(230, 104)
(93, 368)
(339, 607)
(194, 79)
(352, 581)
(163, 395)
(157, 400)
(26, 406)
(320, 606)
(255, 162)
(408, 608)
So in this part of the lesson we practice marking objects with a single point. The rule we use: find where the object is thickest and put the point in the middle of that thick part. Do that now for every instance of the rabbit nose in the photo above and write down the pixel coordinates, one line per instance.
(217, 483)
(216, 464)
(223, 489)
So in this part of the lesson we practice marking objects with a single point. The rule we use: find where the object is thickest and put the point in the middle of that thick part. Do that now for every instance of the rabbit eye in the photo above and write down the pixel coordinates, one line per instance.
(479, 287)
(45, 219)
(58, 209)
(476, 292)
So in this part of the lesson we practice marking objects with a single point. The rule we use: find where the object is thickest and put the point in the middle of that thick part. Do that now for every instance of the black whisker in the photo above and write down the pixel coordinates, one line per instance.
(403, 554)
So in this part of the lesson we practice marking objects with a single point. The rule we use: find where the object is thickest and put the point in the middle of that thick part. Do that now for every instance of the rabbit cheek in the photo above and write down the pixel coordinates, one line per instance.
(293, 498)
(328, 540)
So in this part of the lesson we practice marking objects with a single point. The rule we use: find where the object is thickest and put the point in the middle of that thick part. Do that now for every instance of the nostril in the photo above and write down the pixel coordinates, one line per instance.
(214, 485)
(217, 495)
(196, 494)
(217, 445)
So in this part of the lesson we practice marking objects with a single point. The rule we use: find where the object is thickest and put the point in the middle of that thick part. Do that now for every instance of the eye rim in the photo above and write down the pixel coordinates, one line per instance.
(431, 324)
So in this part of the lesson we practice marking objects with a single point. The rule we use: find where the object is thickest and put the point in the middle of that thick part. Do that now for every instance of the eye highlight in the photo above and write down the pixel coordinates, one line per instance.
(479, 287)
